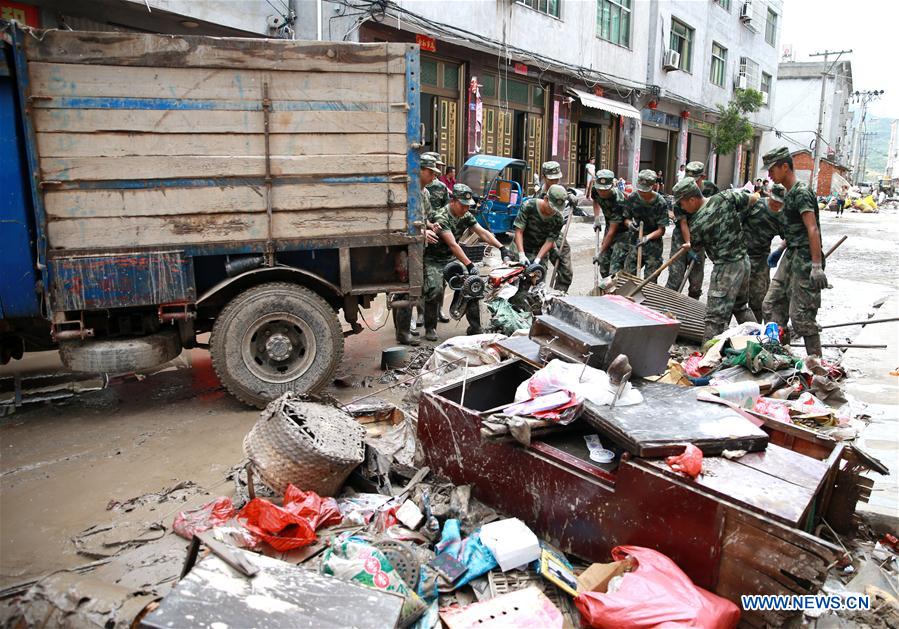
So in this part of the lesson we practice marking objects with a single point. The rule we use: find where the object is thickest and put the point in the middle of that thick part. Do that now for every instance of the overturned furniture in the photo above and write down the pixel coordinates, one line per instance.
(743, 527)
(688, 311)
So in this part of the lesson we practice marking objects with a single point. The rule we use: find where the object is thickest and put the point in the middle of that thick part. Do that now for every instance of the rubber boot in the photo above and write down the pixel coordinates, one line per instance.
(443, 318)
(432, 312)
(473, 314)
(402, 319)
(813, 345)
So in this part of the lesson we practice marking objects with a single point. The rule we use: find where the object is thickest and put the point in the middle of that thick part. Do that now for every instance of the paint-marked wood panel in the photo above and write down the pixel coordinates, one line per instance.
(74, 80)
(186, 121)
(138, 49)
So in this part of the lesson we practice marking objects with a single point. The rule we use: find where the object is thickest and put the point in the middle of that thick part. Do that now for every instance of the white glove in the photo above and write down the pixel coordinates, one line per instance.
(522, 258)
(537, 260)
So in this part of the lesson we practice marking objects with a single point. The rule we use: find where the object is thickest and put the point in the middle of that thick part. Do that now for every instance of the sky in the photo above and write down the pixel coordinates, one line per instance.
(867, 27)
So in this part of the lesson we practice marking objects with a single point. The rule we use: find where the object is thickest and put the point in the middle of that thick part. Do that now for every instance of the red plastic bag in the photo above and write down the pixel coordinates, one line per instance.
(210, 515)
(656, 594)
(691, 366)
(308, 504)
(279, 527)
(689, 463)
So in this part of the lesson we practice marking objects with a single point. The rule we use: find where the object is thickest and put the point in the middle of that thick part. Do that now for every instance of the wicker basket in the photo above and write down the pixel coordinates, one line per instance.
(313, 446)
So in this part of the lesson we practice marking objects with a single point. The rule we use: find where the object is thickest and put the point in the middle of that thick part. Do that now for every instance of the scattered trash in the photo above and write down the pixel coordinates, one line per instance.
(587, 383)
(512, 543)
(212, 514)
(742, 394)
(597, 452)
(304, 443)
(526, 609)
(292, 525)
(689, 463)
(654, 593)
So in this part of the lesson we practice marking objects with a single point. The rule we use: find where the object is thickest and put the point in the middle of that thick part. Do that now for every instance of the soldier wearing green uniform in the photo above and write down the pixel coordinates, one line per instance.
(761, 223)
(437, 189)
(538, 227)
(797, 294)
(716, 228)
(611, 201)
(649, 208)
(450, 223)
(551, 173)
(681, 236)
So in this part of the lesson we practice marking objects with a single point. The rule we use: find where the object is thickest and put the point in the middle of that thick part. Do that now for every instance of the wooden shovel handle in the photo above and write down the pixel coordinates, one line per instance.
(658, 271)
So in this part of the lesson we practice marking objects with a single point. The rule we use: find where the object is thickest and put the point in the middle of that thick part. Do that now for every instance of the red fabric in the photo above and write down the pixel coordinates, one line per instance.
(656, 594)
(294, 524)
(691, 366)
(689, 463)
(210, 515)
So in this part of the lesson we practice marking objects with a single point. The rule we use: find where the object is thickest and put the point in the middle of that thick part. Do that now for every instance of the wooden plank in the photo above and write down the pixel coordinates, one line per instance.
(199, 166)
(140, 49)
(190, 121)
(78, 204)
(141, 231)
(72, 80)
(787, 465)
(177, 144)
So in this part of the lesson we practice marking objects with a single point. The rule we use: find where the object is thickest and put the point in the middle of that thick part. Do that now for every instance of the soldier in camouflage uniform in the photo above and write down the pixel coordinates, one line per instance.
(680, 236)
(650, 208)
(797, 291)
(761, 223)
(450, 222)
(437, 189)
(716, 228)
(611, 202)
(561, 258)
(538, 228)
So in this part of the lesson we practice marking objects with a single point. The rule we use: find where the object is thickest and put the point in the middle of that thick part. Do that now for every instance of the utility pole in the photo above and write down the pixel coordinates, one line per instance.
(819, 134)
(863, 97)
(864, 160)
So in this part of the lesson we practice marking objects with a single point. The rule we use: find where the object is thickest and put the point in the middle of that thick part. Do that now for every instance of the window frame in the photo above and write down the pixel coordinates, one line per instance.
(771, 25)
(688, 40)
(722, 59)
(534, 5)
(618, 5)
(724, 4)
(770, 82)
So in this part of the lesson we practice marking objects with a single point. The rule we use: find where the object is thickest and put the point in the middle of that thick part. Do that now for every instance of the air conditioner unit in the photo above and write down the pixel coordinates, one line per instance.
(741, 82)
(746, 12)
(671, 60)
(764, 98)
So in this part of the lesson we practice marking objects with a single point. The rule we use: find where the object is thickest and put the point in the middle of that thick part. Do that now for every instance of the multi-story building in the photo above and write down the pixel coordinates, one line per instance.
(795, 118)
(633, 83)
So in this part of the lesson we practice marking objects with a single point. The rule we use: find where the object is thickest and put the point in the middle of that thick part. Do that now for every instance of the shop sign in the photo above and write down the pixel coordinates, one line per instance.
(22, 13)
(427, 44)
(520, 68)
(656, 117)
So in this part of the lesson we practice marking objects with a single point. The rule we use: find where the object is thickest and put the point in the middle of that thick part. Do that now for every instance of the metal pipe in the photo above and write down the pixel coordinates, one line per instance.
(845, 345)
(834, 248)
(864, 322)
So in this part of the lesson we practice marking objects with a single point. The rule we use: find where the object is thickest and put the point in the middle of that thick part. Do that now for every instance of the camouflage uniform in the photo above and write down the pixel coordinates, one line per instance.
(560, 255)
(612, 212)
(437, 256)
(538, 229)
(760, 226)
(716, 227)
(653, 215)
(679, 267)
(439, 193)
(792, 293)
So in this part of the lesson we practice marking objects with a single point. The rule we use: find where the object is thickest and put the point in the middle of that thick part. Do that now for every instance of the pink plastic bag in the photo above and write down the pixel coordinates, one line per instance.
(691, 366)
(210, 515)
(689, 463)
(773, 408)
(656, 594)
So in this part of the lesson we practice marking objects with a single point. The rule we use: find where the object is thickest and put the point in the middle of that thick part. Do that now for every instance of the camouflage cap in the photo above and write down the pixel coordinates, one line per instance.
(695, 169)
(777, 193)
(436, 157)
(429, 163)
(557, 197)
(604, 179)
(646, 179)
(775, 155)
(463, 194)
(709, 188)
(686, 187)
(551, 170)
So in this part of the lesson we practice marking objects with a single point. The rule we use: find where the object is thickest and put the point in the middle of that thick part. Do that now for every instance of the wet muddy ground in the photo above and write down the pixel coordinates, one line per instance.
(78, 462)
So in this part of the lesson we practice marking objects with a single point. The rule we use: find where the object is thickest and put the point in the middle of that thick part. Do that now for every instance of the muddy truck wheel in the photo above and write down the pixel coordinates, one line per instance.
(120, 355)
(275, 338)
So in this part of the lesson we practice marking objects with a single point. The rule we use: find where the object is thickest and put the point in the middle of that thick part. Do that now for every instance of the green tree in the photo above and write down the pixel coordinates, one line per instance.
(733, 127)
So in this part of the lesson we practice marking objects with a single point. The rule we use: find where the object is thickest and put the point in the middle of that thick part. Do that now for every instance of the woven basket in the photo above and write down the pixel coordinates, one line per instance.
(312, 446)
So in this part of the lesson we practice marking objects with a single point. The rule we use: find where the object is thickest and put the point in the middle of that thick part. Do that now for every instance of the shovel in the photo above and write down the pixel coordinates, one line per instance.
(683, 282)
(552, 281)
(639, 269)
(633, 292)
(596, 290)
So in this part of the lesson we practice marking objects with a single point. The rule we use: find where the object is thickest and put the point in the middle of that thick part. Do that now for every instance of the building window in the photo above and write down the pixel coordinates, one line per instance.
(748, 74)
(724, 4)
(771, 27)
(549, 7)
(766, 88)
(613, 21)
(719, 64)
(488, 85)
(682, 42)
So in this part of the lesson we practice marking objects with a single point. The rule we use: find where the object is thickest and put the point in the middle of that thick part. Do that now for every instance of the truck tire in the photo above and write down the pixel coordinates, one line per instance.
(275, 338)
(120, 355)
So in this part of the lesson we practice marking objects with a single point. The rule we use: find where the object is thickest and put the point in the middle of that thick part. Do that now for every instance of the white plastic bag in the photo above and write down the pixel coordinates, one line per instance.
(587, 384)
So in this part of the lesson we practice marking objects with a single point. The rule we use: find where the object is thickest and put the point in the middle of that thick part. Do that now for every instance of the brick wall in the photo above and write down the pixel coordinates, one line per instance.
(803, 160)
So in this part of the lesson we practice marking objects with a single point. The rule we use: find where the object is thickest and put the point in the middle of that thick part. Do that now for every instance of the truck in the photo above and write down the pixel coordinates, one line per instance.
(157, 188)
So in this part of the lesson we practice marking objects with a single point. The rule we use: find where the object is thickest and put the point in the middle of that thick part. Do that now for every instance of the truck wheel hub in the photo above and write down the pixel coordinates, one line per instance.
(279, 347)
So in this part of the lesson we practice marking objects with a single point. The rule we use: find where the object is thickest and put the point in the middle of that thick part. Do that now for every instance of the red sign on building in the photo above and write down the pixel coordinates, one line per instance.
(428, 44)
(520, 68)
(22, 13)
